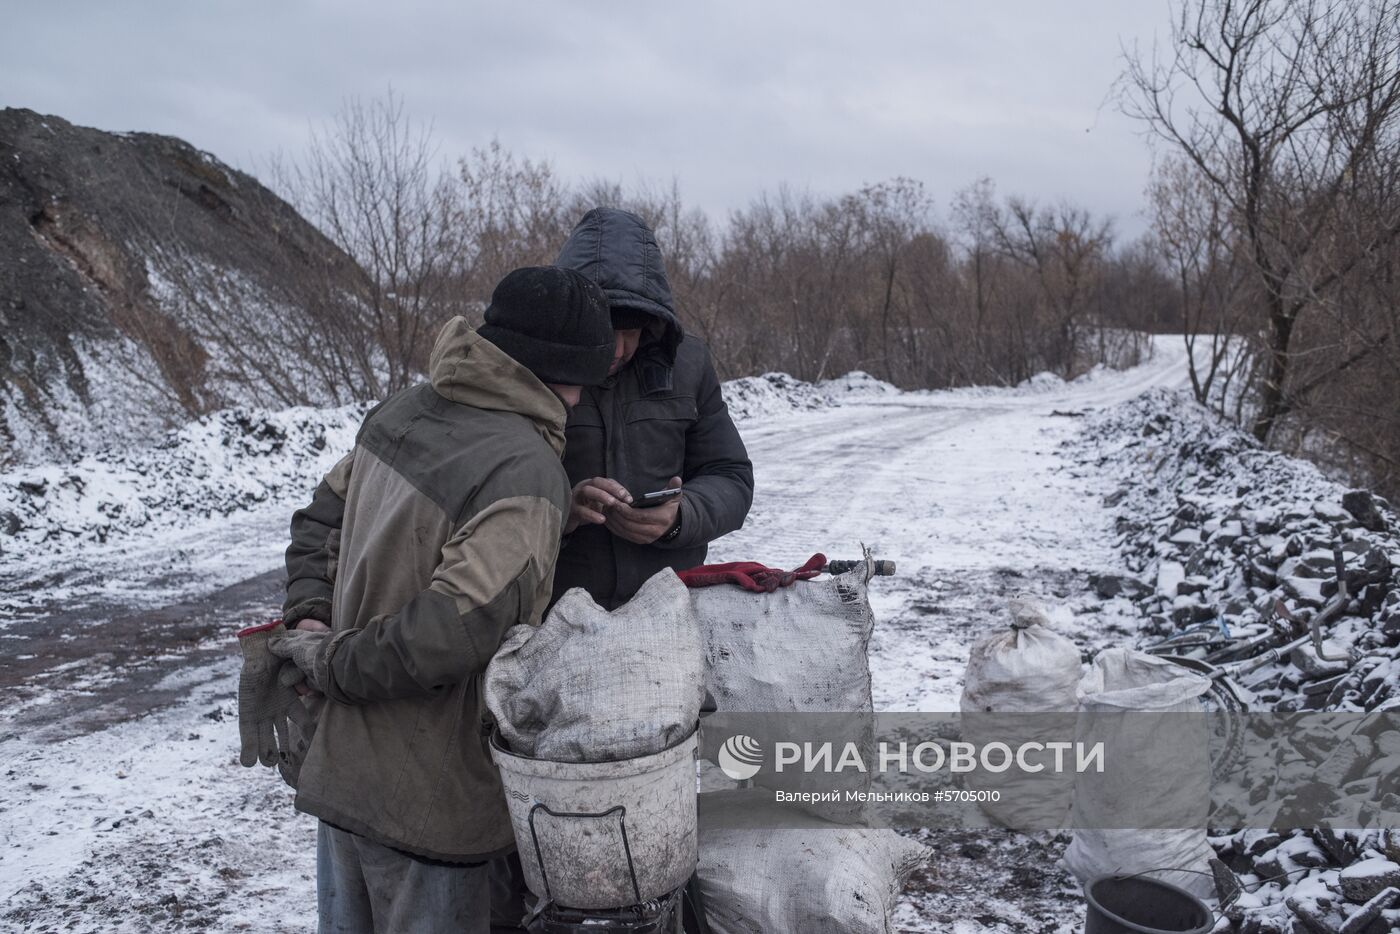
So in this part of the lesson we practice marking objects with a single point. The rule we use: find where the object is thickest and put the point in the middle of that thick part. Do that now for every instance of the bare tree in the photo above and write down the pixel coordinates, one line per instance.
(892, 215)
(371, 183)
(1062, 246)
(975, 213)
(1195, 235)
(1281, 106)
(514, 212)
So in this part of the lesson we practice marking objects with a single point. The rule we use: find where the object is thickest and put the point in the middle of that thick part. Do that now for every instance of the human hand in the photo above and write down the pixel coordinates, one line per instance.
(591, 501)
(291, 675)
(308, 650)
(644, 526)
(264, 701)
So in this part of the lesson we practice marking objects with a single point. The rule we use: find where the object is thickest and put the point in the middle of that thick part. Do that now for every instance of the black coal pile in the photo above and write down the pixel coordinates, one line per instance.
(1236, 550)
(144, 283)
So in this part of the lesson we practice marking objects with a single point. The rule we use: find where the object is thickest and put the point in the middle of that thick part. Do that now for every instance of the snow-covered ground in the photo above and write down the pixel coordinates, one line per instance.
(191, 512)
(124, 806)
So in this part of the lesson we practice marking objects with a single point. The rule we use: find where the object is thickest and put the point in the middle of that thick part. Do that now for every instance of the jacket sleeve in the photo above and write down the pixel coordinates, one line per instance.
(495, 572)
(718, 474)
(315, 548)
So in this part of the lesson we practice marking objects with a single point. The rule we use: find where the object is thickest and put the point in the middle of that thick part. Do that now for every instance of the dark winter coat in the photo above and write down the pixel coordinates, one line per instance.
(661, 416)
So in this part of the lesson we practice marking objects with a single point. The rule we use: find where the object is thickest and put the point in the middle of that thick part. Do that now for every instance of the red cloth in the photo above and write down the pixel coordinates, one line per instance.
(751, 575)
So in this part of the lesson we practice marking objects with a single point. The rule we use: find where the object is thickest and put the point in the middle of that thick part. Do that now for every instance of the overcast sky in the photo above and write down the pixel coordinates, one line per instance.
(731, 98)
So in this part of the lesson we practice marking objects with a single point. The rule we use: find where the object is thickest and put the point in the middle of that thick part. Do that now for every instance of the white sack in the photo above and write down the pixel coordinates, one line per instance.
(587, 685)
(1025, 668)
(800, 648)
(803, 648)
(1157, 763)
(786, 871)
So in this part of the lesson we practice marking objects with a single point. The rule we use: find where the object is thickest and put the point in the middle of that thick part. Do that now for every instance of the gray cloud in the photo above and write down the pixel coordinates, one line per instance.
(730, 98)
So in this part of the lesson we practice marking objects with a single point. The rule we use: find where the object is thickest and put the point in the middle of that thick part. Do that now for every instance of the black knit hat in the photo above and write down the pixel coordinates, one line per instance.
(555, 322)
(626, 319)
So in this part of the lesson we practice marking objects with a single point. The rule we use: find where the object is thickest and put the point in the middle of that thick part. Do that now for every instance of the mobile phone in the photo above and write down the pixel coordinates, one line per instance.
(648, 500)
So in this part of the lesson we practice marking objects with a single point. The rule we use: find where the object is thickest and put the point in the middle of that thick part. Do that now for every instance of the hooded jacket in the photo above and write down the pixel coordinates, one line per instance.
(420, 549)
(662, 415)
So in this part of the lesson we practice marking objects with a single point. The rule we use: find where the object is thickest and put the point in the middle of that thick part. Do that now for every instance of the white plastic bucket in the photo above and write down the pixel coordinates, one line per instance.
(589, 817)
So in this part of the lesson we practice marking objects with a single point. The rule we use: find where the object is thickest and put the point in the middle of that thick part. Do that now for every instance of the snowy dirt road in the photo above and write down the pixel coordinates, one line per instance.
(124, 807)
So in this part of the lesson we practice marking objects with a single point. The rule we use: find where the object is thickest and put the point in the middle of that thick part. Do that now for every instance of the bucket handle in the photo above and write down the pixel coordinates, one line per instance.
(619, 810)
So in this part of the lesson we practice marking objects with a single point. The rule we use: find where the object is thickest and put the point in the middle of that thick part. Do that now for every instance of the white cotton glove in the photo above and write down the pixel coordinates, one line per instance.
(265, 698)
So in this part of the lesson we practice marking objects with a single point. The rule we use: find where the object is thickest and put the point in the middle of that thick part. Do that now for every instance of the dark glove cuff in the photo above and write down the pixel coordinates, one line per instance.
(327, 659)
(317, 608)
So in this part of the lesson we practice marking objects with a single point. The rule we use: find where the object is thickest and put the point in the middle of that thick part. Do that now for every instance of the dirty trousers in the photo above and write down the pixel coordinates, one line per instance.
(363, 887)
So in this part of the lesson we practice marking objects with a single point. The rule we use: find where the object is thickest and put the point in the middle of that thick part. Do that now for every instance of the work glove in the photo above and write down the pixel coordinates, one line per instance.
(751, 575)
(309, 651)
(266, 699)
(302, 727)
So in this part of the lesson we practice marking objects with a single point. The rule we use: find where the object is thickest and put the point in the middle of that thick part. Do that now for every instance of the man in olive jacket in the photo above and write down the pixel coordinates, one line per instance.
(419, 550)
(658, 421)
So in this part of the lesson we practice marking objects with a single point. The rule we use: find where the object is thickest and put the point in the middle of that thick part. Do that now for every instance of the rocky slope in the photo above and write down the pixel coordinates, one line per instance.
(143, 282)
(1231, 543)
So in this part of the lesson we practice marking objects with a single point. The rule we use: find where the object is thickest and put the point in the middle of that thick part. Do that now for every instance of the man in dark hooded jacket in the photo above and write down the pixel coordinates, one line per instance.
(658, 422)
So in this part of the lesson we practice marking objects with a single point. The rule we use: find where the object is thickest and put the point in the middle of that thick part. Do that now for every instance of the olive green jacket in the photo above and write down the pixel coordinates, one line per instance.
(420, 549)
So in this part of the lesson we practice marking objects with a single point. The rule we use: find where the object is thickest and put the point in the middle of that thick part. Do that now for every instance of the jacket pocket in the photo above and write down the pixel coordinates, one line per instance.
(656, 430)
